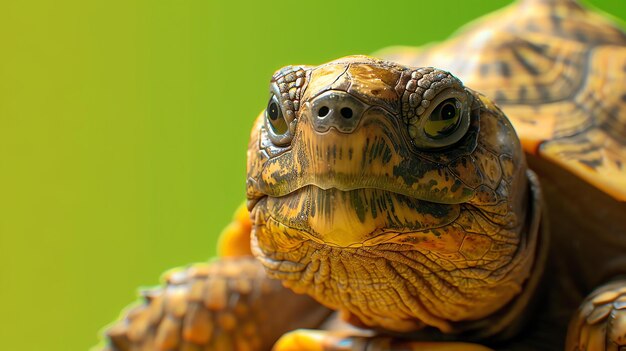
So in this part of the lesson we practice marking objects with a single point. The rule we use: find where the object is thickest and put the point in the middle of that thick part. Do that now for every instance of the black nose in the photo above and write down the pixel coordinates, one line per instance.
(336, 109)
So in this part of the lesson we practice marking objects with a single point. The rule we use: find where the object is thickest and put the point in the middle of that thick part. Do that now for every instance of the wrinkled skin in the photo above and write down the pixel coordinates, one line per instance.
(374, 218)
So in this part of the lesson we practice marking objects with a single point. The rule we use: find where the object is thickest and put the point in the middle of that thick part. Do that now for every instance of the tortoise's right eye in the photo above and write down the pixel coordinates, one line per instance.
(275, 117)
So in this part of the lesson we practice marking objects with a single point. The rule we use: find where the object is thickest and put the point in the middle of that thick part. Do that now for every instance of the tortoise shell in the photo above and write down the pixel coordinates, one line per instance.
(558, 71)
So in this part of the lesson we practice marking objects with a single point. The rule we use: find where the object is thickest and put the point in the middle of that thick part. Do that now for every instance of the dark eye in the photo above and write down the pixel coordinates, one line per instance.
(274, 115)
(444, 119)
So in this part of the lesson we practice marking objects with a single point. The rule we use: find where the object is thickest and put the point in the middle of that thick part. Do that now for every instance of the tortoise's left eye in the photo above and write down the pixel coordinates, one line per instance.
(444, 119)
(444, 123)
(274, 115)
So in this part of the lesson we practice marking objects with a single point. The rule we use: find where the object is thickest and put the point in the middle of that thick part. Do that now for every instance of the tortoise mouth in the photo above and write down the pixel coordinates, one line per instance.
(323, 241)
(352, 218)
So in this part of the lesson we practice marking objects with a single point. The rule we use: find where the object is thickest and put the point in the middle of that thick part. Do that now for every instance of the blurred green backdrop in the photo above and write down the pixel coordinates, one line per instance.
(123, 130)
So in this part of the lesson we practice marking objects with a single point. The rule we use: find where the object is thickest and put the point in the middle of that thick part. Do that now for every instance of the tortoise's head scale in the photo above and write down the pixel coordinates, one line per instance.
(394, 194)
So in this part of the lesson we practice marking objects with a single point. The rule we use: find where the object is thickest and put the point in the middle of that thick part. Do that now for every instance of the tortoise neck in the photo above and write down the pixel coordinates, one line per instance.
(507, 322)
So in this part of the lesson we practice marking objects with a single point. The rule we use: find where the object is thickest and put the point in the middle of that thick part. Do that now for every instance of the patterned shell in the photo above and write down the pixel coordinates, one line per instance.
(558, 70)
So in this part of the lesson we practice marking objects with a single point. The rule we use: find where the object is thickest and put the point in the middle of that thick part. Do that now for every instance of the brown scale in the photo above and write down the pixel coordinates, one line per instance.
(228, 304)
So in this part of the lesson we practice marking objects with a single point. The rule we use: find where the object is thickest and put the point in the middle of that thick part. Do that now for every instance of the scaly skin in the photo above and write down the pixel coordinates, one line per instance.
(373, 218)
(600, 322)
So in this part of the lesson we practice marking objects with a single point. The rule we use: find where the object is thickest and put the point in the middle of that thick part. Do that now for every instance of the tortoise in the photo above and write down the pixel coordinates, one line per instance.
(403, 202)
(405, 219)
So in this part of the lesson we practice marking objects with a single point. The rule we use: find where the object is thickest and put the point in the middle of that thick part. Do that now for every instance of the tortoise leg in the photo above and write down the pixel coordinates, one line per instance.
(228, 304)
(320, 340)
(600, 322)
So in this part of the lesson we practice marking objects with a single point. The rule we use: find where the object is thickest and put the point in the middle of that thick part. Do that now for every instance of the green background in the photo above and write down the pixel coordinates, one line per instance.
(123, 130)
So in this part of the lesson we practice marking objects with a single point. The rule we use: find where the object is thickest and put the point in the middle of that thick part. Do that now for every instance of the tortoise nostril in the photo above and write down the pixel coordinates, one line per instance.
(337, 110)
(323, 111)
(346, 112)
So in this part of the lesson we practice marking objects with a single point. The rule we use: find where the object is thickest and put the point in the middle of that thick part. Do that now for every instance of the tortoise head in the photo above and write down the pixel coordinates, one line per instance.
(393, 194)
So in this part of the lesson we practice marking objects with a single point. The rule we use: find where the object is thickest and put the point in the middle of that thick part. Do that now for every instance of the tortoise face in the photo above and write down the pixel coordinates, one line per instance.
(377, 188)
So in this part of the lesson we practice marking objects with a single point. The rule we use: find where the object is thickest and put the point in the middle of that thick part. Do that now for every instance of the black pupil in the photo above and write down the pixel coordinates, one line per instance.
(273, 111)
(448, 111)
